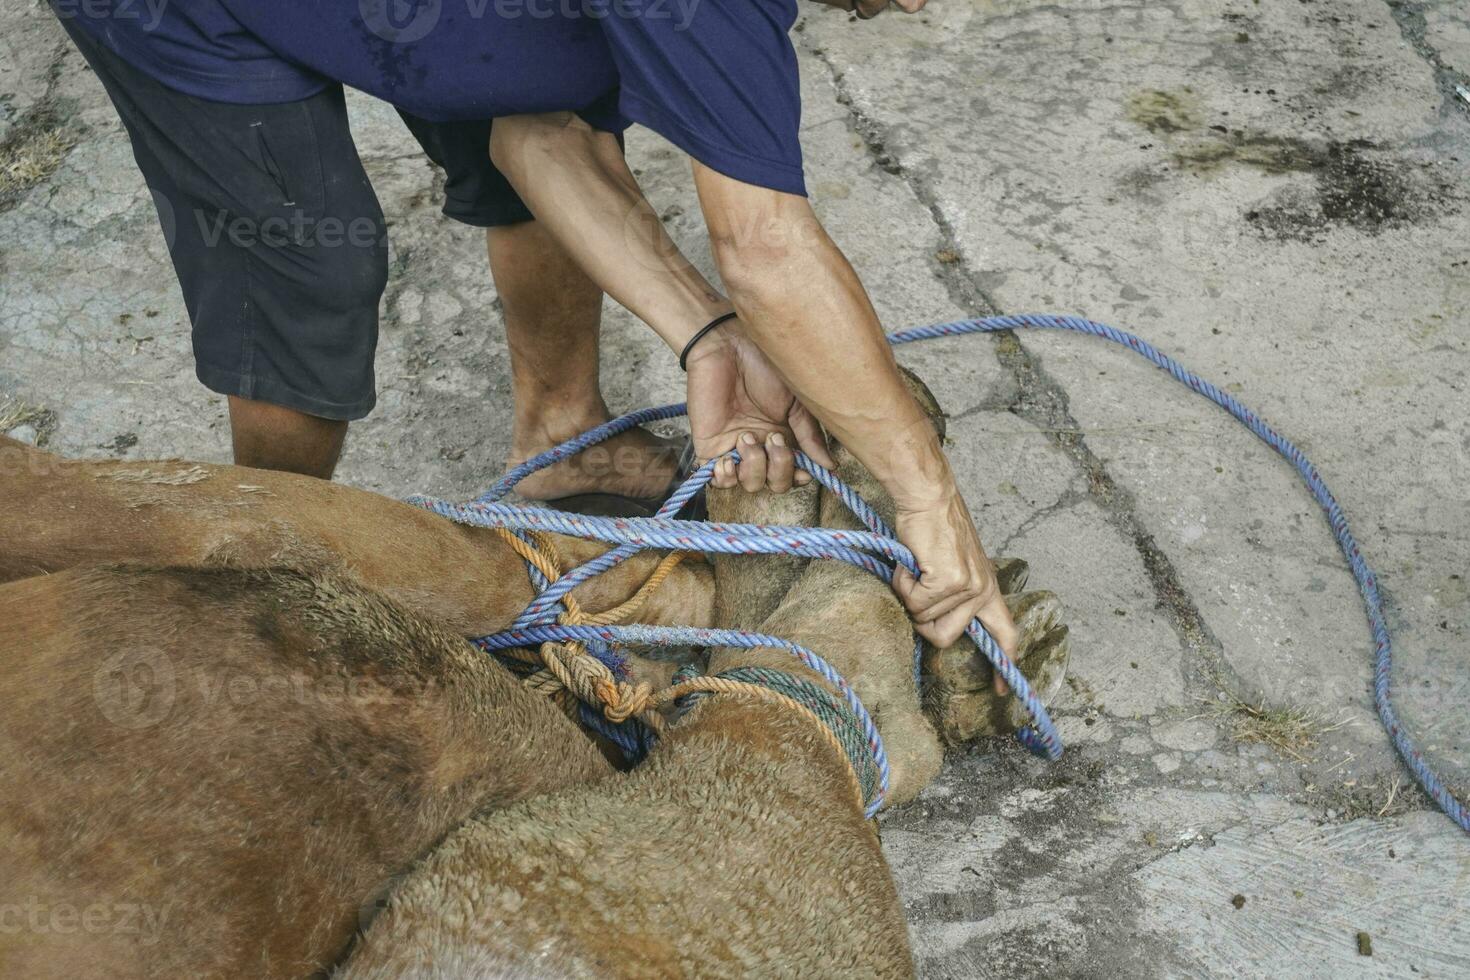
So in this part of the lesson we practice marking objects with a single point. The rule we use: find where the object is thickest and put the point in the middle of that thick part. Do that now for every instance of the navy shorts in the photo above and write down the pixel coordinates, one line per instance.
(275, 233)
(474, 191)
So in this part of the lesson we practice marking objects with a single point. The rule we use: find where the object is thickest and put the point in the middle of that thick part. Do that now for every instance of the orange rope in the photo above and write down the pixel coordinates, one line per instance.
(568, 667)
(569, 673)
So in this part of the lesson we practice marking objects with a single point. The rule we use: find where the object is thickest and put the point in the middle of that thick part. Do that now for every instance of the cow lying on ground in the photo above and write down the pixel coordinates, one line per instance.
(64, 513)
(739, 847)
(67, 513)
(245, 757)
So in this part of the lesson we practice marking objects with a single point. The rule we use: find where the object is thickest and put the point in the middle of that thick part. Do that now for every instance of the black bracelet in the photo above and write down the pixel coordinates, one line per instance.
(684, 354)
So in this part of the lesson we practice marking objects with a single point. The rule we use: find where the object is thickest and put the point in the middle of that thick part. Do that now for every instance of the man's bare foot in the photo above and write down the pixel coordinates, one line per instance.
(634, 464)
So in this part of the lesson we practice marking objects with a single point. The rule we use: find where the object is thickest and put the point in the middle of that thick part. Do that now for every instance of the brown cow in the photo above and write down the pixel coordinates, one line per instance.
(739, 848)
(206, 771)
(211, 770)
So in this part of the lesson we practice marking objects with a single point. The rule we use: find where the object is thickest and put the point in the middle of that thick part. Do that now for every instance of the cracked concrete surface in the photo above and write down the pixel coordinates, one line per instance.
(1274, 192)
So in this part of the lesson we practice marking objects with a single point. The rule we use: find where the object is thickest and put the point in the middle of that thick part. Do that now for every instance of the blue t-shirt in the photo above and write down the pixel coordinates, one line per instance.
(718, 78)
(195, 47)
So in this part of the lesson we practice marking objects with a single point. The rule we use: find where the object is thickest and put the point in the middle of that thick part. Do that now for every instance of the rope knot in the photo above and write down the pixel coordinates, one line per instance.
(621, 700)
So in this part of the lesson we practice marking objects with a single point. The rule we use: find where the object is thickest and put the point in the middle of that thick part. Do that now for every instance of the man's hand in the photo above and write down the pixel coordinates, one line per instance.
(868, 9)
(738, 401)
(958, 580)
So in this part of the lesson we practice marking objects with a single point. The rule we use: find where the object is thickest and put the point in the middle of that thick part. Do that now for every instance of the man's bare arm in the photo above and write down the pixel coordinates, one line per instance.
(803, 305)
(806, 327)
(576, 182)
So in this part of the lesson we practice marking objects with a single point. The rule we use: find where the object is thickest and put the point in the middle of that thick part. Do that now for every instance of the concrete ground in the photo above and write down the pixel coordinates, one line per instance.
(1273, 191)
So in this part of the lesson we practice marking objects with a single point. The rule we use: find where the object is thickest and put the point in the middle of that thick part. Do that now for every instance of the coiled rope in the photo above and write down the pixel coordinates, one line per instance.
(877, 551)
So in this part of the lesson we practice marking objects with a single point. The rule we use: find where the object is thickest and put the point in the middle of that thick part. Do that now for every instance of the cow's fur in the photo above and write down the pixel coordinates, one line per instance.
(240, 757)
(65, 513)
(736, 849)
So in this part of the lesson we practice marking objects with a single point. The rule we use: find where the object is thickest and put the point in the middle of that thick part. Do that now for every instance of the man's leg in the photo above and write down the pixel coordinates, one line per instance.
(553, 316)
(272, 437)
(278, 243)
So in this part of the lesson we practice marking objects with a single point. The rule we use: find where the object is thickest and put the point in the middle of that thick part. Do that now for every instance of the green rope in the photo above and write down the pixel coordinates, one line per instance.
(830, 709)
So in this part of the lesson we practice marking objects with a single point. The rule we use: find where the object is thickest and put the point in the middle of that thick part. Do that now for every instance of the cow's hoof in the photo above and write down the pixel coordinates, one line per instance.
(959, 695)
(1011, 574)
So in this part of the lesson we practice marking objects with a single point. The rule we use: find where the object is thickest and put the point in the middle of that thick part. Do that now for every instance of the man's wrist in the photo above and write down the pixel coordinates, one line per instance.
(913, 468)
(700, 335)
(915, 497)
(677, 328)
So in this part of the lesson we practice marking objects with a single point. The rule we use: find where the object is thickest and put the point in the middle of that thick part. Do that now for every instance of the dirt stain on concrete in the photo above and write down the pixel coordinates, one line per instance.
(1355, 184)
(1161, 112)
(1272, 154)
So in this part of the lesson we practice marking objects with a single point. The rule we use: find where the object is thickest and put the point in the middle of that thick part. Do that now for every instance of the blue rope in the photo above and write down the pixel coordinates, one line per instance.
(876, 551)
(640, 635)
(1366, 578)
(576, 444)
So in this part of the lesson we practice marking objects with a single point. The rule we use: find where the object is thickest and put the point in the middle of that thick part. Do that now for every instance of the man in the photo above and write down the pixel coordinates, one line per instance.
(284, 294)
(235, 109)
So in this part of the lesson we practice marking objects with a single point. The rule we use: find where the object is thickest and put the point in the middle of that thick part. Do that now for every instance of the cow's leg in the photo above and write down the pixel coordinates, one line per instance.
(750, 587)
(867, 636)
(62, 513)
(865, 632)
(237, 760)
(958, 692)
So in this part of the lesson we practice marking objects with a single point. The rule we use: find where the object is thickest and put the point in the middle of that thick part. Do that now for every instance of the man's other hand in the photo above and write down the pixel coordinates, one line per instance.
(738, 401)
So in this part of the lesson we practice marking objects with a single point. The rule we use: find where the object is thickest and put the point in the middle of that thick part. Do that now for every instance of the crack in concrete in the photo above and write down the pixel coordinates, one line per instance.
(1042, 401)
(1411, 24)
(1066, 501)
